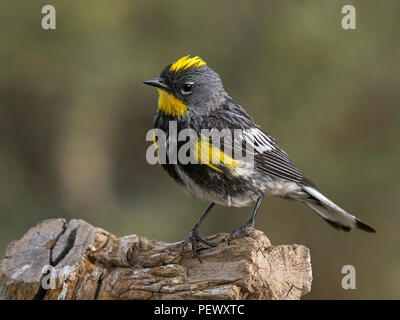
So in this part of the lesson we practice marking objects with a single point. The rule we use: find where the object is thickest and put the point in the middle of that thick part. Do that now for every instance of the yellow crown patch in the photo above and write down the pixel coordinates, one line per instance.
(186, 63)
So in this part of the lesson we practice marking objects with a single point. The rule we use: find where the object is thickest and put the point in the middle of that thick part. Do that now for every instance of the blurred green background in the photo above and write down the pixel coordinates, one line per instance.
(74, 114)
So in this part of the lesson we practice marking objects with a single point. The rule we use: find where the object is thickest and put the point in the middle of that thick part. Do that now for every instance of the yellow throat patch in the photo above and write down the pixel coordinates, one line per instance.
(186, 63)
(170, 105)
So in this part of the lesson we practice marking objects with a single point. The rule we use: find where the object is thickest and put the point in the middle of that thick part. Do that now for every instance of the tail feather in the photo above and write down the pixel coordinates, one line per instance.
(332, 213)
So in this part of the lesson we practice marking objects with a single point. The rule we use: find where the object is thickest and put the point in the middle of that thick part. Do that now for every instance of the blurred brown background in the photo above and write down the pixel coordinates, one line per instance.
(74, 114)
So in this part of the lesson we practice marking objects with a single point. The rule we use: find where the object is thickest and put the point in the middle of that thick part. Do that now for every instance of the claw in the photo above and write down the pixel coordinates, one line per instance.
(239, 231)
(193, 237)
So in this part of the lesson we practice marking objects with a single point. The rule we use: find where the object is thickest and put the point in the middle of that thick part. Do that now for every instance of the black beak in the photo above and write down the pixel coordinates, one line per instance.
(157, 82)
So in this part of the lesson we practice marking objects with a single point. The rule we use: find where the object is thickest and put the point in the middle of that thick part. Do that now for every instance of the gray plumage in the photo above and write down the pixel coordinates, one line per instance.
(209, 106)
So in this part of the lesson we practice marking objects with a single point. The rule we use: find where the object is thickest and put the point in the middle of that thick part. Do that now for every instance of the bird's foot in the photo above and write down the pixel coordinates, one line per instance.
(243, 230)
(192, 239)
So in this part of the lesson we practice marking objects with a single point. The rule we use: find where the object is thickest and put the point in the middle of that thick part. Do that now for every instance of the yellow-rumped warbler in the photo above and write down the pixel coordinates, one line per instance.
(191, 93)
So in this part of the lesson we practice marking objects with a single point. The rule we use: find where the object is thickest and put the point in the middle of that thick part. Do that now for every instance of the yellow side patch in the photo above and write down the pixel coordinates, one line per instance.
(170, 105)
(209, 155)
(186, 63)
(155, 142)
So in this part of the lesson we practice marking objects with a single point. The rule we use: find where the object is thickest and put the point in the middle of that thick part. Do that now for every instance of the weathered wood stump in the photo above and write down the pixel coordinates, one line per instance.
(74, 260)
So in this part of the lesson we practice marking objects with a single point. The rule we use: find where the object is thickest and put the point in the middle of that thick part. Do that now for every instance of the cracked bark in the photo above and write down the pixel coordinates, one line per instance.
(91, 263)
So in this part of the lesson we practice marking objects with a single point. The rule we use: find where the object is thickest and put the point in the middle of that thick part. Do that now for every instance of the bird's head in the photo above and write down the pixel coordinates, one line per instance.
(187, 85)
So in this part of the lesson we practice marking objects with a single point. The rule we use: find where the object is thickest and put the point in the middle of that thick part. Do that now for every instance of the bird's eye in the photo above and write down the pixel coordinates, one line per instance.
(187, 87)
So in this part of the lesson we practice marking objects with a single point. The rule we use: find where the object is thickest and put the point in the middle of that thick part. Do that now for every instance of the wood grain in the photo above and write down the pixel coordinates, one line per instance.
(90, 263)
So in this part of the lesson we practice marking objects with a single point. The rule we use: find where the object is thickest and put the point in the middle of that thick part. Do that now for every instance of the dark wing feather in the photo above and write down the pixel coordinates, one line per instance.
(269, 157)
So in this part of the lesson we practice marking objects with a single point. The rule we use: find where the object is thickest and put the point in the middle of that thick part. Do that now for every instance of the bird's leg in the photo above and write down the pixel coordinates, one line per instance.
(249, 225)
(194, 234)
